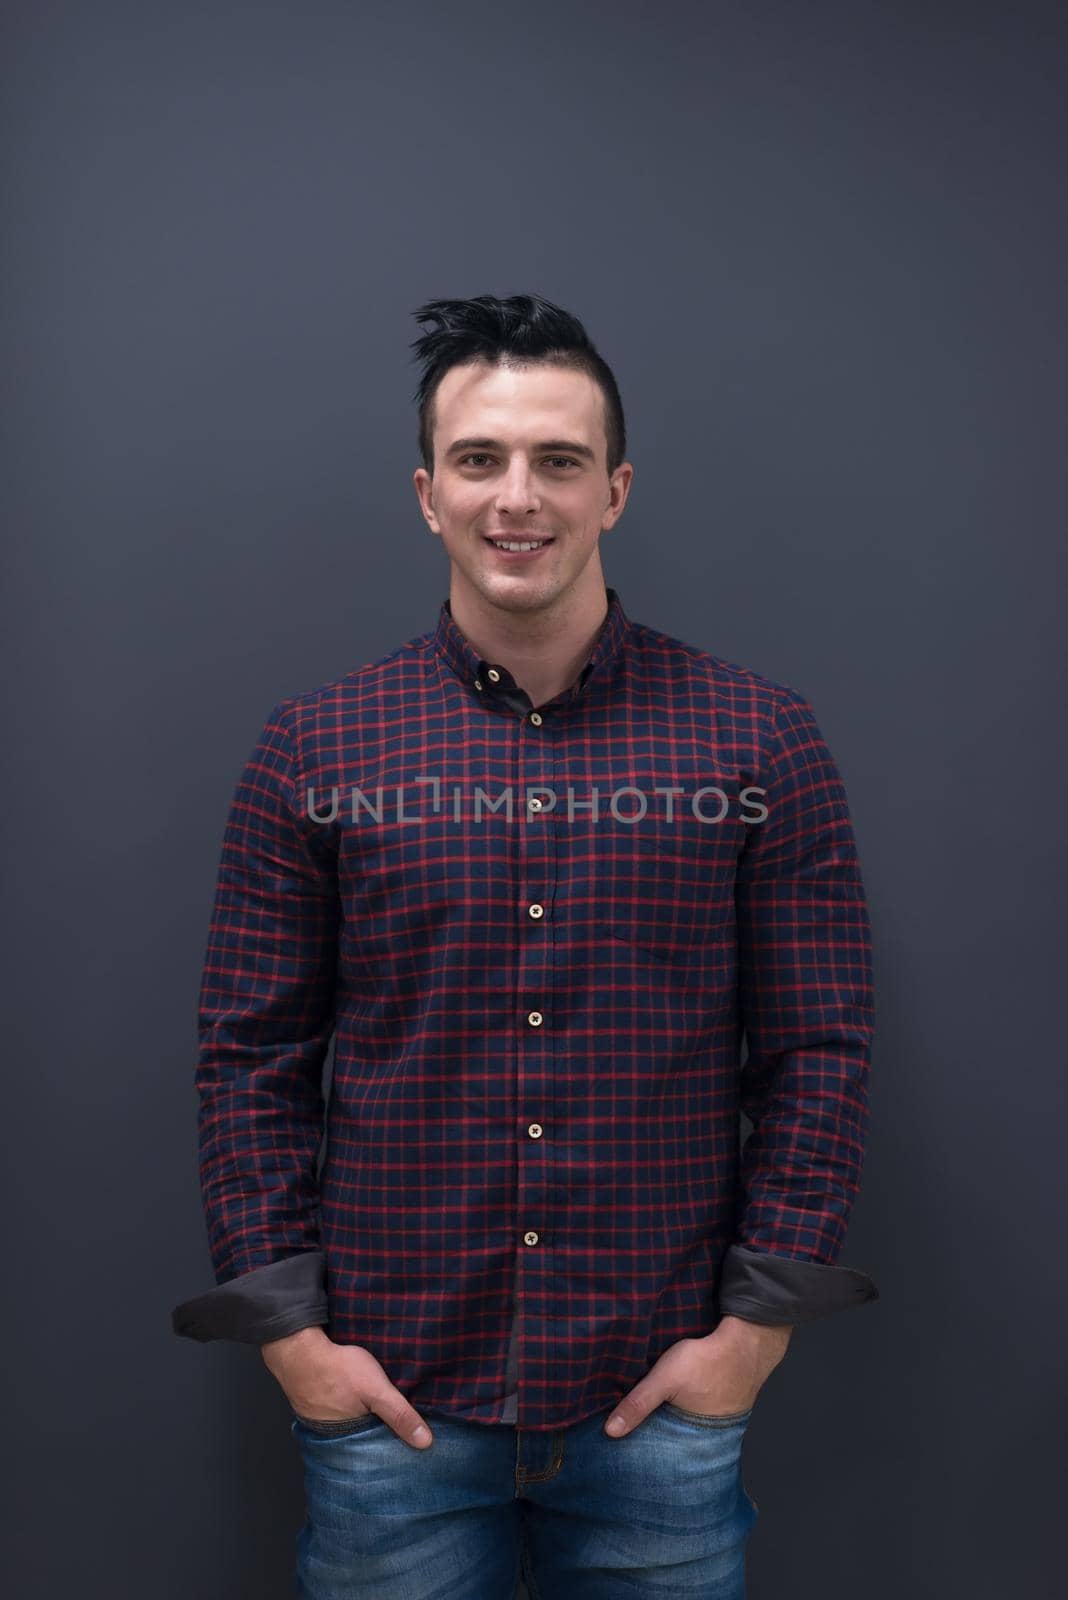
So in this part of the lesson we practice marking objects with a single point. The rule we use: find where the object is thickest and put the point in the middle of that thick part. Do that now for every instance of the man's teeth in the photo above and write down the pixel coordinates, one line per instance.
(514, 544)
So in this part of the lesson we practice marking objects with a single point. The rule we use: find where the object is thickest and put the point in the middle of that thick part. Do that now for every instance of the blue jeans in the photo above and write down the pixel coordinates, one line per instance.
(661, 1512)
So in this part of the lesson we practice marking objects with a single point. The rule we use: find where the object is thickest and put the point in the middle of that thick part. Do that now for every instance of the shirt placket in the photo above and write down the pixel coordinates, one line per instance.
(534, 791)
(535, 1110)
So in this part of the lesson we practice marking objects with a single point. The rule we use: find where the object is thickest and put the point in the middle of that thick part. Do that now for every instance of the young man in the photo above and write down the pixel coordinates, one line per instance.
(539, 867)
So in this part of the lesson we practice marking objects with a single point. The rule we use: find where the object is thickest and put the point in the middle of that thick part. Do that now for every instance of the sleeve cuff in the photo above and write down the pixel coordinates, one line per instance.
(267, 1303)
(773, 1289)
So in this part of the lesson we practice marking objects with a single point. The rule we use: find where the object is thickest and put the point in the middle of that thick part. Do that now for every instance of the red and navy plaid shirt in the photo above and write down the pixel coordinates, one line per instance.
(537, 937)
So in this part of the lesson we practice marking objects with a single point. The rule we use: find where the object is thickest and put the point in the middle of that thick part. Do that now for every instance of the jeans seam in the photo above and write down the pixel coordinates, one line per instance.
(334, 1429)
(708, 1421)
(525, 1573)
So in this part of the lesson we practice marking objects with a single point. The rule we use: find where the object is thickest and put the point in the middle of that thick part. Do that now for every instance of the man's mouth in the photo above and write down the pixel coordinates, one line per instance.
(518, 547)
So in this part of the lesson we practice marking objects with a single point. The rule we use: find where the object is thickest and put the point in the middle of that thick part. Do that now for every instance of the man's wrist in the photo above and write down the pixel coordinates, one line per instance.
(276, 1352)
(770, 1338)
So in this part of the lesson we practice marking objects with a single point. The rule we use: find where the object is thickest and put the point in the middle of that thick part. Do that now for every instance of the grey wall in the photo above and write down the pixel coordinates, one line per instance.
(822, 246)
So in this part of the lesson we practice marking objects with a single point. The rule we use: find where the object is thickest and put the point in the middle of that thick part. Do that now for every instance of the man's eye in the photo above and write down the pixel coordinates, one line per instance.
(480, 455)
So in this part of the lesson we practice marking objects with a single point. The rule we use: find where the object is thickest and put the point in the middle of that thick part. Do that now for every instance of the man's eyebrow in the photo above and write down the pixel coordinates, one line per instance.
(570, 445)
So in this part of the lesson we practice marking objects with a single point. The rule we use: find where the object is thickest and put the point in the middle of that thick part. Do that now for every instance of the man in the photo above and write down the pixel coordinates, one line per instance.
(539, 868)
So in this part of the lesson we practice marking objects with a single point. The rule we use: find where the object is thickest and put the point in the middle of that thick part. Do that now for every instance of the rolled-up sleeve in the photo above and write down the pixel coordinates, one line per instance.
(807, 1006)
(266, 1016)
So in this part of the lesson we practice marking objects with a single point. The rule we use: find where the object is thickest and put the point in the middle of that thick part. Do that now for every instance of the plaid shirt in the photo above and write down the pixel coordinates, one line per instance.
(537, 936)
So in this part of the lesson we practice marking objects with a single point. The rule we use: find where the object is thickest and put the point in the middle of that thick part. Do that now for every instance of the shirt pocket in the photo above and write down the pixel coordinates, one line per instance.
(671, 900)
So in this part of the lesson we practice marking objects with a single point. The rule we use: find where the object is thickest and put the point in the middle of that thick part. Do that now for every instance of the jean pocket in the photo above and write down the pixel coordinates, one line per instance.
(735, 1419)
(340, 1429)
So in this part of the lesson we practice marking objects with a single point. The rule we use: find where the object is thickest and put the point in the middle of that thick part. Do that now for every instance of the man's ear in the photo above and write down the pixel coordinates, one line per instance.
(424, 490)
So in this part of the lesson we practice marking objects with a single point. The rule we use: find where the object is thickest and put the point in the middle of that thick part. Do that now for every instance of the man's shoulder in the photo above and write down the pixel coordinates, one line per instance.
(664, 654)
(363, 685)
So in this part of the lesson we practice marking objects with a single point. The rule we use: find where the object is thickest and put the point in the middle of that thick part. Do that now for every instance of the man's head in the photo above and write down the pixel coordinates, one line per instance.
(522, 437)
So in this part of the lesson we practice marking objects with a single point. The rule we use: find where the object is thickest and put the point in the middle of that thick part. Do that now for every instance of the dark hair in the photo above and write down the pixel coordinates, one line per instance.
(520, 331)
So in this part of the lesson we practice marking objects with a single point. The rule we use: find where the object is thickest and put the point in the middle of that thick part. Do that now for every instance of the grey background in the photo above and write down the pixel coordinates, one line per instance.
(822, 247)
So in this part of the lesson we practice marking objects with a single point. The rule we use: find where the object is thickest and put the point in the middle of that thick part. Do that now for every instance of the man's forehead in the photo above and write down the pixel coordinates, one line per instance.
(476, 397)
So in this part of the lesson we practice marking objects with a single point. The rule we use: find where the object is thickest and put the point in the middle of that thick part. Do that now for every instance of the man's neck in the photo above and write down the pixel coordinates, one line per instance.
(544, 650)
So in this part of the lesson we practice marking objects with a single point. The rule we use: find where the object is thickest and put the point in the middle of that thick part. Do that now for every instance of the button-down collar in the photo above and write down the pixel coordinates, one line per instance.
(492, 682)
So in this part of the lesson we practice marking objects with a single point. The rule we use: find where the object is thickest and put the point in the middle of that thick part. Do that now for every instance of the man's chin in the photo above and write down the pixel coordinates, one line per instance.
(513, 598)
(514, 591)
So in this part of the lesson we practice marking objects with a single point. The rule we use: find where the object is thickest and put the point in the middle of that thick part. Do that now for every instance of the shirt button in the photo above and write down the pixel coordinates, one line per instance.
(493, 675)
(534, 804)
(536, 911)
(535, 717)
(530, 1238)
(534, 1018)
(535, 1130)
(478, 683)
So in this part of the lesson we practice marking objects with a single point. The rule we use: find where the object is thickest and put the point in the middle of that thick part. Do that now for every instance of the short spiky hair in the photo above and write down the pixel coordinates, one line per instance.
(522, 330)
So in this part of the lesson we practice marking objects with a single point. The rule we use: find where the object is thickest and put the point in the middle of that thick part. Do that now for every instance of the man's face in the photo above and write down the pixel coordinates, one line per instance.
(520, 455)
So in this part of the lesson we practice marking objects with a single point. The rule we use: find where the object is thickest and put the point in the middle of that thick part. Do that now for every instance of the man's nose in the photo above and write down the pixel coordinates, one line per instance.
(518, 491)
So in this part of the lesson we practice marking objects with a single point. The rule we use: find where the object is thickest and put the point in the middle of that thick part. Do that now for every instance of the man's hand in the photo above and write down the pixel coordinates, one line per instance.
(328, 1382)
(718, 1375)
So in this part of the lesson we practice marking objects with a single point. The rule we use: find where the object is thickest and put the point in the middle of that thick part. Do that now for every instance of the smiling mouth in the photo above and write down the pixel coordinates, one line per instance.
(518, 546)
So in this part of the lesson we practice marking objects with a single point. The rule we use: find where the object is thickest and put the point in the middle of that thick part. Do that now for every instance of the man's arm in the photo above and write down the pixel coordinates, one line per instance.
(266, 1014)
(807, 1002)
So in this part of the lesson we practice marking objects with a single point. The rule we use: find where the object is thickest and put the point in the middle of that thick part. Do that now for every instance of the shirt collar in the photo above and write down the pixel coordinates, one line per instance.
(458, 653)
